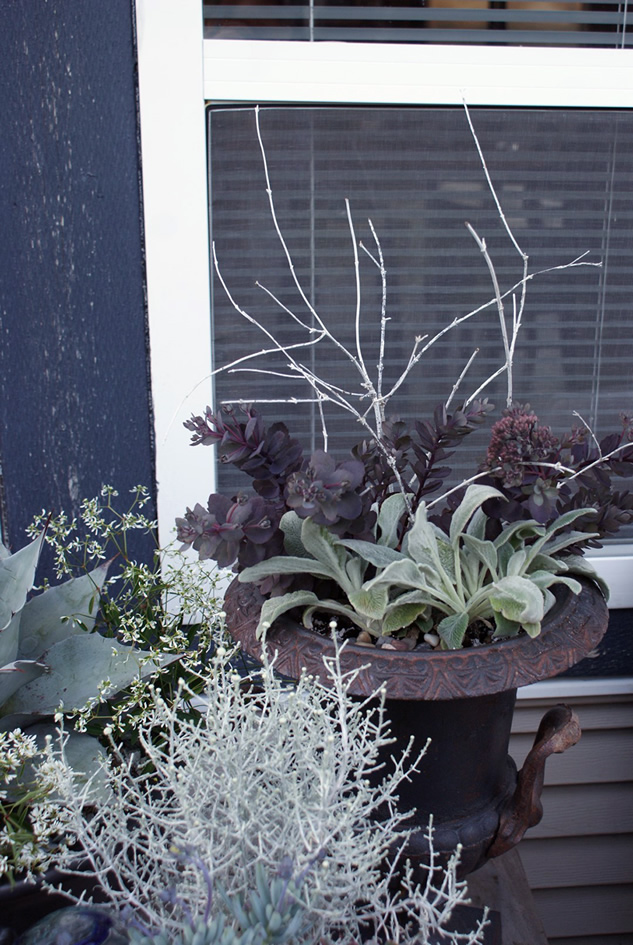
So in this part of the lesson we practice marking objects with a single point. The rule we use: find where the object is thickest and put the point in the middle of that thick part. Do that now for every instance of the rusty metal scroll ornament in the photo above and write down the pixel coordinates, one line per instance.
(559, 730)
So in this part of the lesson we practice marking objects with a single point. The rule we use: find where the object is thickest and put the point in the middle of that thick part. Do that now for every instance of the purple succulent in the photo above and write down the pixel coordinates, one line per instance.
(324, 490)
(218, 531)
(269, 456)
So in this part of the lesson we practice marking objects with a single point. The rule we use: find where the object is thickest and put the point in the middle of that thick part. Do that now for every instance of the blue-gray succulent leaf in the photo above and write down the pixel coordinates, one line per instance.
(61, 611)
(82, 669)
(17, 576)
(15, 675)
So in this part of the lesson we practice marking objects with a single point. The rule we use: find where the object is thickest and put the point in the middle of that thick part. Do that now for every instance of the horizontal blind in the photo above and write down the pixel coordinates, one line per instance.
(565, 182)
(508, 22)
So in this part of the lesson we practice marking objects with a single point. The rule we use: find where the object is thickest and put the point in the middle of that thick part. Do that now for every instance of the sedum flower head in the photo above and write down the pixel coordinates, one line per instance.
(518, 441)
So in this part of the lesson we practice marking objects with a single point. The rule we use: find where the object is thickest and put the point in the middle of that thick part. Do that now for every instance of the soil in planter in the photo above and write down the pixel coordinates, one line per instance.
(479, 633)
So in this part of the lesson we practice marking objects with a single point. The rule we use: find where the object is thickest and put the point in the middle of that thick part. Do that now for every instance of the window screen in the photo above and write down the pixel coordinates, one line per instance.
(507, 22)
(565, 181)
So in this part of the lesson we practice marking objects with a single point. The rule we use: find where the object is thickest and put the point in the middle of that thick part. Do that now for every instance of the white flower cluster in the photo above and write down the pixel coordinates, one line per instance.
(268, 775)
(28, 823)
(16, 749)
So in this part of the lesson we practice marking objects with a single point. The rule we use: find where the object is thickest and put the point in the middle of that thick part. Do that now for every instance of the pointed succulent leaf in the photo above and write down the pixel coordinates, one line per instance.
(15, 675)
(9, 640)
(452, 630)
(274, 607)
(389, 516)
(17, 575)
(401, 615)
(474, 498)
(77, 669)
(517, 598)
(61, 611)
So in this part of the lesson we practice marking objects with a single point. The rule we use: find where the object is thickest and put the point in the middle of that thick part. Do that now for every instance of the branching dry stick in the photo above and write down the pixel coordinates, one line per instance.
(461, 377)
(325, 391)
(500, 310)
(380, 263)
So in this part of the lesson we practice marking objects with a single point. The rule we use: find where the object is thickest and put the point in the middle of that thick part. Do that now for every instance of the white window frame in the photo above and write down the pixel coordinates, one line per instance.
(179, 73)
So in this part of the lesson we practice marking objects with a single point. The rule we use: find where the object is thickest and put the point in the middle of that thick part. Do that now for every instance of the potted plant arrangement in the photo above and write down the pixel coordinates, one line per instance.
(451, 600)
(82, 652)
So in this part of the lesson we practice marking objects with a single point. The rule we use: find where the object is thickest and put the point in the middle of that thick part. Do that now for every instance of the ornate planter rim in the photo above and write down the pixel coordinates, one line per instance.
(571, 629)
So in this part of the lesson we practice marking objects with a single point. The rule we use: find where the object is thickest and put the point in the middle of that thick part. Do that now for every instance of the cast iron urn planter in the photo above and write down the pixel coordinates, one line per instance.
(463, 700)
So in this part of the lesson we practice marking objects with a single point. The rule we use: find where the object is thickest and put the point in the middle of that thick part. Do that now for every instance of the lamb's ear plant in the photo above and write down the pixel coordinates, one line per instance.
(461, 575)
(269, 818)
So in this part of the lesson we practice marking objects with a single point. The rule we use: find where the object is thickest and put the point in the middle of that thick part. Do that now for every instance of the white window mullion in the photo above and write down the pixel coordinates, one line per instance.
(174, 174)
(262, 71)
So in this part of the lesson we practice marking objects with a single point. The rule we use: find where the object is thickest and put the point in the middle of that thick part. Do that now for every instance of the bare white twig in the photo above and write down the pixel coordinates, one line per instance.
(461, 377)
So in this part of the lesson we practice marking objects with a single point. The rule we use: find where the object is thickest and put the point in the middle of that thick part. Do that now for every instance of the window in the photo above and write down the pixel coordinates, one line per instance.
(518, 22)
(241, 72)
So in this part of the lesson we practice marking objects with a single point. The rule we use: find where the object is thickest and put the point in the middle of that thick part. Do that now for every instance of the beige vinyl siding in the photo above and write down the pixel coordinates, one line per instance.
(579, 859)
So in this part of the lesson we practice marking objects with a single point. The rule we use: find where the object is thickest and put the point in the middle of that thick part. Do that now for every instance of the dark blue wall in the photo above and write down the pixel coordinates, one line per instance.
(75, 409)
